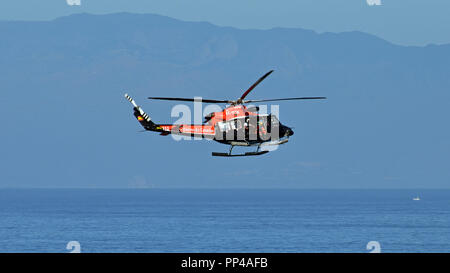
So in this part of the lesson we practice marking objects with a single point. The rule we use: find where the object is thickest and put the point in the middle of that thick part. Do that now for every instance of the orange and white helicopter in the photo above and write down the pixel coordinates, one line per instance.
(236, 125)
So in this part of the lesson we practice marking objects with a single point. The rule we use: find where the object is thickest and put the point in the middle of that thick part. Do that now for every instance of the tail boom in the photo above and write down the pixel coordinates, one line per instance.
(204, 131)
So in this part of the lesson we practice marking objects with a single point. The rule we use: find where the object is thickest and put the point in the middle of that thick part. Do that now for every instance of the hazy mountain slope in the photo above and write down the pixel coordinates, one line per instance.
(65, 123)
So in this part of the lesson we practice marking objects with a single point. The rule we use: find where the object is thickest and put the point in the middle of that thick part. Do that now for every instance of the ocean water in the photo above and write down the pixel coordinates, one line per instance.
(156, 220)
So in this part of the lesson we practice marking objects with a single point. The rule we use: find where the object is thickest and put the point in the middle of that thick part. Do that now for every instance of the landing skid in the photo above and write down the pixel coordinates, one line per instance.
(246, 154)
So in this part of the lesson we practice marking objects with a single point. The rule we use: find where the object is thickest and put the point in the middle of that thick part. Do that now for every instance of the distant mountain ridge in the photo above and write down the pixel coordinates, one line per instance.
(65, 121)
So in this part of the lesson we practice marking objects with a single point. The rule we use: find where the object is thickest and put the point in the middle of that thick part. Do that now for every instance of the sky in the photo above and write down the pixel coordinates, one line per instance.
(355, 139)
(404, 22)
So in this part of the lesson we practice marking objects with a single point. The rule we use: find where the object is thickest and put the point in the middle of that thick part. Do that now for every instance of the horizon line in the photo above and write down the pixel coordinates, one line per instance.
(195, 188)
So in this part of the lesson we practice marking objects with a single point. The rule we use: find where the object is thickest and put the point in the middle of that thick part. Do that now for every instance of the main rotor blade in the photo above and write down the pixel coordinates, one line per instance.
(302, 98)
(189, 99)
(255, 84)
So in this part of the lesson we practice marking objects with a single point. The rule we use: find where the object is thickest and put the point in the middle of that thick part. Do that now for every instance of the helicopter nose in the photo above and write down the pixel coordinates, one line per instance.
(289, 132)
(286, 131)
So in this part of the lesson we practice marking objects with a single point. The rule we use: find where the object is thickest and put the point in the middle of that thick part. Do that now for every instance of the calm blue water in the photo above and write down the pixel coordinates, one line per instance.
(224, 220)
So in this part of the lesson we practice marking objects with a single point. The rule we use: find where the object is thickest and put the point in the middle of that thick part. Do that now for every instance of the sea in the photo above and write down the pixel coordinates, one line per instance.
(224, 220)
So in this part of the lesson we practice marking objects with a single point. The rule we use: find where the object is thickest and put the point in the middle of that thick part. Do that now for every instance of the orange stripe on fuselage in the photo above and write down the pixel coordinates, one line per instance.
(189, 129)
(233, 112)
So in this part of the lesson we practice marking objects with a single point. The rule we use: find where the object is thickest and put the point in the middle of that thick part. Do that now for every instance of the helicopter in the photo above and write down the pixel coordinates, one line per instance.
(236, 125)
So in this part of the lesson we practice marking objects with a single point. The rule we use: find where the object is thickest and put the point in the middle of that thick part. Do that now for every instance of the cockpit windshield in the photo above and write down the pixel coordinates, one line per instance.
(274, 120)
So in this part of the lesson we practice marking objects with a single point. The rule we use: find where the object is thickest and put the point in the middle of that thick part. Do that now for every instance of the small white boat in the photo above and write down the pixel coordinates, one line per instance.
(416, 198)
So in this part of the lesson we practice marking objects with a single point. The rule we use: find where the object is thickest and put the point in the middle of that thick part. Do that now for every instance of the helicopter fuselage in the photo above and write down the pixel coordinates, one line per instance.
(235, 125)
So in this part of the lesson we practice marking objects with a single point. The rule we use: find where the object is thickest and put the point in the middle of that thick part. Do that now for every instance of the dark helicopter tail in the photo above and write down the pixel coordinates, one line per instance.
(143, 118)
